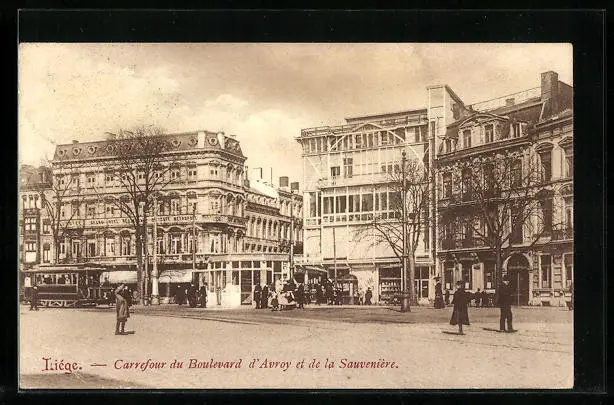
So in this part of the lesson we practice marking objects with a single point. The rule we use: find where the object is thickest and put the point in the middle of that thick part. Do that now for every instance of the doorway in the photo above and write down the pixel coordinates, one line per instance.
(518, 271)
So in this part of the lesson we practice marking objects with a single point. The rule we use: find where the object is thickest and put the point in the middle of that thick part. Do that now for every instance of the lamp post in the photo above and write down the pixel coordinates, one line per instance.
(155, 297)
(405, 307)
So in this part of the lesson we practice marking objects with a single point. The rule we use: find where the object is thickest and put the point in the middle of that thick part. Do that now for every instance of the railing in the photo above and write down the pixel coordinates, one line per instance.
(562, 234)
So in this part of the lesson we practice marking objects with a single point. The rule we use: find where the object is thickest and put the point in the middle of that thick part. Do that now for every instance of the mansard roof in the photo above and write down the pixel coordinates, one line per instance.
(179, 142)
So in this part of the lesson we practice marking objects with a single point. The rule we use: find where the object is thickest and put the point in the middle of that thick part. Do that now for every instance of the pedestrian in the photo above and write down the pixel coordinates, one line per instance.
(361, 296)
(439, 294)
(121, 306)
(34, 298)
(460, 315)
(192, 296)
(319, 294)
(368, 296)
(264, 298)
(447, 297)
(504, 301)
(180, 295)
(258, 295)
(203, 296)
(300, 295)
(485, 299)
(478, 297)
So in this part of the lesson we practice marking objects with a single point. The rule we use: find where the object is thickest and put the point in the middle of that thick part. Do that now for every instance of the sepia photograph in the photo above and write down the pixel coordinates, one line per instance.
(295, 216)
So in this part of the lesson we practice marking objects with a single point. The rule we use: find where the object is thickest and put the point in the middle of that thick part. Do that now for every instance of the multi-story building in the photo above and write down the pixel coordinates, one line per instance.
(346, 184)
(35, 240)
(523, 144)
(212, 224)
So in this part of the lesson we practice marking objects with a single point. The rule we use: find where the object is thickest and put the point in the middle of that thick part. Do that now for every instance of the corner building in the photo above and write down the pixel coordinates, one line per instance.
(213, 225)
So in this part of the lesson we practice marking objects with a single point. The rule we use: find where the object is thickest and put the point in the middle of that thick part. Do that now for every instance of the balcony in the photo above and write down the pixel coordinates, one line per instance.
(562, 234)
(466, 243)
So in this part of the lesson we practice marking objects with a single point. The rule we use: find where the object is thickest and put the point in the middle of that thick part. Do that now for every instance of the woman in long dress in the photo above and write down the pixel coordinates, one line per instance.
(439, 295)
(123, 313)
(460, 315)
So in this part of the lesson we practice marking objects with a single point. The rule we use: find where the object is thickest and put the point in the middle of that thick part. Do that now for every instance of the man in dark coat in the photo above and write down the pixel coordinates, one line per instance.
(504, 300)
(478, 298)
(180, 296)
(460, 315)
(258, 295)
(447, 297)
(192, 296)
(439, 294)
(123, 313)
(368, 296)
(300, 295)
(34, 298)
(203, 296)
(264, 298)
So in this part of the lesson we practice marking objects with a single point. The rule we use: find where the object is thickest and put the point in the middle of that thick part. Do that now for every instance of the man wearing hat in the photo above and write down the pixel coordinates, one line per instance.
(504, 300)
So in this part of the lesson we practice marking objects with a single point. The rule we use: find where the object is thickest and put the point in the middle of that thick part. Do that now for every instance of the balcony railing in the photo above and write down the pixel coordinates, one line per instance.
(562, 234)
(466, 243)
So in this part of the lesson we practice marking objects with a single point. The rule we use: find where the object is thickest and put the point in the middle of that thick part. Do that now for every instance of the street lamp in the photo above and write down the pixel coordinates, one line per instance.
(405, 307)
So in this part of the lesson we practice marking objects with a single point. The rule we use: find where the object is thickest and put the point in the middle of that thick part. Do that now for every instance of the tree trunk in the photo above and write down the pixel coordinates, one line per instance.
(498, 268)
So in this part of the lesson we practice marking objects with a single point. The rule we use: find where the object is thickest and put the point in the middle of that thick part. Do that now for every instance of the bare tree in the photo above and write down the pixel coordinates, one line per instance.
(140, 171)
(62, 196)
(387, 229)
(499, 200)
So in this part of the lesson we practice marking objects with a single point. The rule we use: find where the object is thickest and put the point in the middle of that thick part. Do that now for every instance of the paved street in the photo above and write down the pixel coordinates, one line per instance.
(403, 350)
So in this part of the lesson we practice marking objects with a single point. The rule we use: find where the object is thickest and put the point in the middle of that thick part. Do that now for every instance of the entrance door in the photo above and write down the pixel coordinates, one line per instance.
(518, 271)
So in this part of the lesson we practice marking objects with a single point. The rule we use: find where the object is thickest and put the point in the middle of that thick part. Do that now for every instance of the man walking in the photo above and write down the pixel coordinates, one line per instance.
(258, 295)
(123, 313)
(203, 296)
(34, 298)
(504, 300)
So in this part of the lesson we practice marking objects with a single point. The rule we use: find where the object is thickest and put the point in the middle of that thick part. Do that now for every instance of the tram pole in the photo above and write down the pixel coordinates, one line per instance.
(155, 297)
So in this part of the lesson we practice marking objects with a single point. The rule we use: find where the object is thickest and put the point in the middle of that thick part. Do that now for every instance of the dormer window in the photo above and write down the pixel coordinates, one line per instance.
(489, 133)
(467, 138)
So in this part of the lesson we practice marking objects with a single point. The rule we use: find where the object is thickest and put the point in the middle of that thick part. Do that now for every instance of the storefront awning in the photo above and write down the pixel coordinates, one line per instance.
(175, 276)
(310, 269)
(119, 277)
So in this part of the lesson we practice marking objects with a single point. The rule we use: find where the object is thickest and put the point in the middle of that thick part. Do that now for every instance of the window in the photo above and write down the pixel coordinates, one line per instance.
(467, 138)
(516, 130)
(176, 174)
(109, 177)
(568, 213)
(91, 211)
(488, 133)
(466, 184)
(367, 202)
(516, 219)
(76, 248)
(546, 206)
(175, 207)
(62, 248)
(215, 206)
(30, 247)
(545, 271)
(447, 185)
(545, 159)
(328, 205)
(448, 145)
(46, 250)
(358, 141)
(489, 271)
(516, 173)
(141, 175)
(347, 167)
(568, 163)
(335, 171)
(213, 171)
(340, 204)
(91, 180)
(126, 245)
(30, 224)
(192, 173)
(489, 178)
(568, 263)
(46, 227)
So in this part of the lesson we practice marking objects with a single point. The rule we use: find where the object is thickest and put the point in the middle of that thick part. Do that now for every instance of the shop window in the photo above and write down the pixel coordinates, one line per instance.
(489, 273)
(546, 271)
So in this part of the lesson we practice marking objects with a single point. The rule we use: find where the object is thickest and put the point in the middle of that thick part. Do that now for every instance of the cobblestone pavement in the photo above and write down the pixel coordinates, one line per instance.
(539, 355)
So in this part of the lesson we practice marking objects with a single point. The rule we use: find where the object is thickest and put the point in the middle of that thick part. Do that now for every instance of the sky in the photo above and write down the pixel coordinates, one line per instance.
(263, 93)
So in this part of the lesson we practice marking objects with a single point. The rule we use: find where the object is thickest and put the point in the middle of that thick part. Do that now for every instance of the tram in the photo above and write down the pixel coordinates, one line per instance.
(65, 286)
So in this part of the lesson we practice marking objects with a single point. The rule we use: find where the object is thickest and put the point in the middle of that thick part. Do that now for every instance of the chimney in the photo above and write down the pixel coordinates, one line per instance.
(284, 181)
(509, 102)
(550, 91)
(294, 186)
